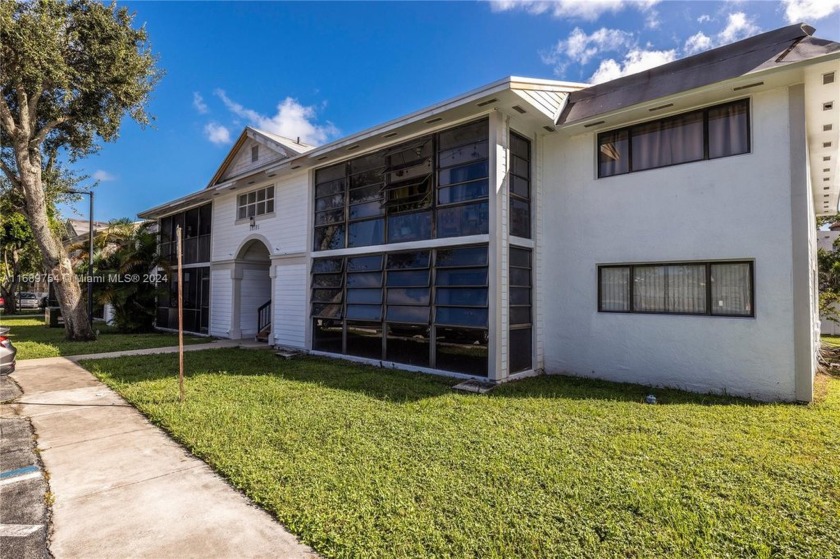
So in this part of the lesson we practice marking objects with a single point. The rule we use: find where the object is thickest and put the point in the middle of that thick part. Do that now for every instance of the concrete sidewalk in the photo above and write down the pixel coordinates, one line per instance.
(215, 344)
(122, 487)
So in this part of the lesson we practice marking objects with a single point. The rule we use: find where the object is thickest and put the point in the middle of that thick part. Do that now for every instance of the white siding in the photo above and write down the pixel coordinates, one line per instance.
(256, 291)
(285, 230)
(290, 289)
(242, 160)
(730, 208)
(220, 303)
(547, 102)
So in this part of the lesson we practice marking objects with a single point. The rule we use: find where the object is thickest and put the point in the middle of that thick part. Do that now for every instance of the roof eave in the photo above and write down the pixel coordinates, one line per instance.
(752, 56)
(498, 86)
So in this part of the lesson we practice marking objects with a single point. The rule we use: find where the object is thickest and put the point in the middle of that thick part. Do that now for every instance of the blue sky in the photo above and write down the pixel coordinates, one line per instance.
(322, 70)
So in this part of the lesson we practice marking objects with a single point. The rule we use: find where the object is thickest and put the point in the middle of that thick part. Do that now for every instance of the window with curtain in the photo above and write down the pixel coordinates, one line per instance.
(709, 133)
(732, 289)
(707, 288)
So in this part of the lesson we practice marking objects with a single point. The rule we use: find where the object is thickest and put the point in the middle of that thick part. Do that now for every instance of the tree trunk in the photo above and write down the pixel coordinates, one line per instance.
(8, 291)
(9, 299)
(67, 290)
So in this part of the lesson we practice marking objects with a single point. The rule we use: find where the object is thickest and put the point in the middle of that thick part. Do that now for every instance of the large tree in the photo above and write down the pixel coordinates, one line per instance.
(69, 71)
(20, 253)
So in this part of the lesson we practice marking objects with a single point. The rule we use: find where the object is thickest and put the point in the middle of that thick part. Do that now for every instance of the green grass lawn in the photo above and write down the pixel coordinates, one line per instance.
(367, 462)
(33, 340)
(830, 340)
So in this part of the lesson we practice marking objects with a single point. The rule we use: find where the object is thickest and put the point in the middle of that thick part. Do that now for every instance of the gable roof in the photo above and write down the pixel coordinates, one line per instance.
(774, 49)
(76, 228)
(539, 100)
(283, 147)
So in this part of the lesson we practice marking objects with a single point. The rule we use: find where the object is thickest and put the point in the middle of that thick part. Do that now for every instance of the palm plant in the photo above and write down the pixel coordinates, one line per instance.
(126, 254)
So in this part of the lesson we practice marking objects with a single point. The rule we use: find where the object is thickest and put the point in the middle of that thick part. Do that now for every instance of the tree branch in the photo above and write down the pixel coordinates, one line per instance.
(33, 103)
(9, 174)
(6, 118)
(24, 121)
(39, 138)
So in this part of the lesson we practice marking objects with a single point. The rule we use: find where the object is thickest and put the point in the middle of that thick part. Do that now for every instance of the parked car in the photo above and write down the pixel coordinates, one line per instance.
(28, 300)
(8, 352)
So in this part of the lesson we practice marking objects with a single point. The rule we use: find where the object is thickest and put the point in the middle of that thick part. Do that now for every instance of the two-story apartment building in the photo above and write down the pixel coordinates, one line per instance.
(658, 228)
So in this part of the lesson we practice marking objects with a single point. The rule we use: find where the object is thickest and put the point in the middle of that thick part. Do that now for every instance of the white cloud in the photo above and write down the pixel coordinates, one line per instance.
(809, 10)
(199, 104)
(217, 133)
(588, 10)
(580, 48)
(652, 20)
(704, 18)
(636, 60)
(697, 43)
(738, 27)
(103, 176)
(291, 120)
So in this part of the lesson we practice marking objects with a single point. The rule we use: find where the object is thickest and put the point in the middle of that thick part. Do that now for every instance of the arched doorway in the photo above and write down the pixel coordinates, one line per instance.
(252, 290)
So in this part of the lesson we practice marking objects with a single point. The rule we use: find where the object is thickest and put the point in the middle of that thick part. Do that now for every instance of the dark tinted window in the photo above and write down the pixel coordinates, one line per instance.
(710, 133)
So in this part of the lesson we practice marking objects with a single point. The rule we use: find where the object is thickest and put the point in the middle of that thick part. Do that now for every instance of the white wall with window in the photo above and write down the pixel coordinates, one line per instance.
(679, 274)
(284, 226)
(255, 203)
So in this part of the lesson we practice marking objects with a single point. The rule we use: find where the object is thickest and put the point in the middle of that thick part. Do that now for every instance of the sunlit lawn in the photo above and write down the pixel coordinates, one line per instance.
(33, 340)
(831, 340)
(368, 462)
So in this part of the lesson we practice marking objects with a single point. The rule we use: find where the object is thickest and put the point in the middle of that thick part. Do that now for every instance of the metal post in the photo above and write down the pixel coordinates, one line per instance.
(179, 248)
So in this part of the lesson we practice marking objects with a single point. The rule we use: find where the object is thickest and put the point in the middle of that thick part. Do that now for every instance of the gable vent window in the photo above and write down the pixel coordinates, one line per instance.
(257, 202)
(710, 133)
(255, 153)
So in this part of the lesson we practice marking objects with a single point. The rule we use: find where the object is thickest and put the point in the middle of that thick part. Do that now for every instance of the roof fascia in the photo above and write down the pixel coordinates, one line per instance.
(498, 86)
(175, 206)
(756, 74)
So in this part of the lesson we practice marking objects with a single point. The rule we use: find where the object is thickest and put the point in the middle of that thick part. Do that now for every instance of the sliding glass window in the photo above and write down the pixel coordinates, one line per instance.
(703, 288)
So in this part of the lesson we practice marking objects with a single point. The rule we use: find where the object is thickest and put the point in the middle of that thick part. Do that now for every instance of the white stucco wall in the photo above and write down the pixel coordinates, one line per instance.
(825, 239)
(731, 208)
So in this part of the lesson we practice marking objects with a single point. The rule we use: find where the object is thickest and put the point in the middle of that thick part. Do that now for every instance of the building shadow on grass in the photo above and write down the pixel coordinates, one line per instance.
(384, 383)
